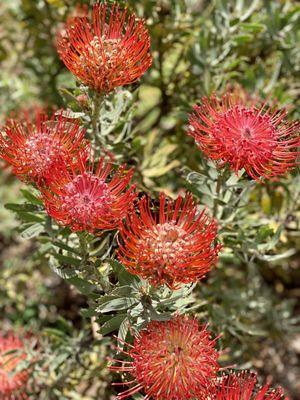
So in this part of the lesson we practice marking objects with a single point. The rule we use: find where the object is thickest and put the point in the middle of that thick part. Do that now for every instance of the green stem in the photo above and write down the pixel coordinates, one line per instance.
(95, 117)
(90, 267)
(49, 228)
(218, 191)
(83, 247)
(104, 285)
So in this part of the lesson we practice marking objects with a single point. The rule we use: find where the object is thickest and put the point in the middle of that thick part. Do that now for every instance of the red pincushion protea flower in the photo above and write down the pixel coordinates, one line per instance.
(171, 245)
(34, 147)
(108, 50)
(87, 200)
(257, 139)
(242, 386)
(173, 360)
(12, 384)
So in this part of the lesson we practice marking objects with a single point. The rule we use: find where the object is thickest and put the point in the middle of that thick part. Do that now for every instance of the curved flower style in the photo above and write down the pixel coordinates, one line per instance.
(12, 384)
(242, 386)
(34, 147)
(234, 131)
(173, 360)
(171, 244)
(110, 49)
(87, 200)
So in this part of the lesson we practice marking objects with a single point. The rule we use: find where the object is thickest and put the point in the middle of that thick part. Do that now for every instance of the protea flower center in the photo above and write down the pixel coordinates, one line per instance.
(249, 134)
(41, 151)
(177, 352)
(101, 55)
(86, 196)
(164, 242)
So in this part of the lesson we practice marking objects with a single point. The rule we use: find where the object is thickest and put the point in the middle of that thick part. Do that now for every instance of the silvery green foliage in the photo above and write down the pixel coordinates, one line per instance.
(198, 47)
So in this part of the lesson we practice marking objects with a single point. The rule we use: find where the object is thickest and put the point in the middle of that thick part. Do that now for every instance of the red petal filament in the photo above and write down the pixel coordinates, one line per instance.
(173, 360)
(108, 49)
(258, 139)
(86, 200)
(172, 245)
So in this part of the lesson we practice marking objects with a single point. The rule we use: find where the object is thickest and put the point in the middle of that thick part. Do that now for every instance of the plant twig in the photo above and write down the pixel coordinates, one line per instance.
(95, 117)
(218, 191)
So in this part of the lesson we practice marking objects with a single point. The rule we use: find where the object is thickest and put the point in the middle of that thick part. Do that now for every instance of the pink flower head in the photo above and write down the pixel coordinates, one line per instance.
(234, 131)
(173, 360)
(108, 49)
(169, 244)
(12, 384)
(84, 199)
(34, 146)
(243, 386)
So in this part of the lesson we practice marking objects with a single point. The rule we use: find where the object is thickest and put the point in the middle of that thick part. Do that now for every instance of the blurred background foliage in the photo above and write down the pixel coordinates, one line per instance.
(199, 47)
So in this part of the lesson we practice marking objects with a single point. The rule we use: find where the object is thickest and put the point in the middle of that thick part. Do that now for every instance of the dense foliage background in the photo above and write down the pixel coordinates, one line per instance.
(198, 47)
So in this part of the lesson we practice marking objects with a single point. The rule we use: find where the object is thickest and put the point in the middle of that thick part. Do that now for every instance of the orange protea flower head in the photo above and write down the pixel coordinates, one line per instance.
(173, 360)
(108, 49)
(235, 131)
(34, 146)
(243, 386)
(84, 199)
(168, 244)
(12, 384)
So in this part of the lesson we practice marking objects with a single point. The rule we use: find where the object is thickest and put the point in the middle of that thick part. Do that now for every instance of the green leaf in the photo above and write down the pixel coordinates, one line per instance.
(249, 330)
(123, 331)
(166, 316)
(32, 231)
(67, 259)
(62, 272)
(63, 246)
(30, 217)
(242, 39)
(88, 312)
(59, 360)
(31, 197)
(138, 396)
(67, 95)
(253, 27)
(85, 287)
(124, 277)
(276, 257)
(272, 243)
(123, 291)
(264, 232)
(234, 178)
(160, 171)
(113, 324)
(54, 332)
(20, 207)
(116, 304)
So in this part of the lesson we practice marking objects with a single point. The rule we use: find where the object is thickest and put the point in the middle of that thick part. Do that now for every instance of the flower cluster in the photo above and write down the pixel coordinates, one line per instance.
(247, 136)
(12, 384)
(108, 49)
(170, 244)
(177, 360)
(173, 360)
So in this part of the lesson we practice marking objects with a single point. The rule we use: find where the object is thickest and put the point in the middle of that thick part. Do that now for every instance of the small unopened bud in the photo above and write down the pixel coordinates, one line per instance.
(83, 100)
